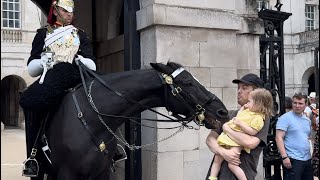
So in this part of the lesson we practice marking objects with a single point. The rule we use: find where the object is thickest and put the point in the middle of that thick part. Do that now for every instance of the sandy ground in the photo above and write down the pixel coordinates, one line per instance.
(13, 153)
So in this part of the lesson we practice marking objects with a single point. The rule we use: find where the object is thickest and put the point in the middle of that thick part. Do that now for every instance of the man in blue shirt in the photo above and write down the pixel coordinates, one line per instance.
(293, 131)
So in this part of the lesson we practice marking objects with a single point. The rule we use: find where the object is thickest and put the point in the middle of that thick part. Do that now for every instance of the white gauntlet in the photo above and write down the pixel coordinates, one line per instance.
(41, 66)
(87, 62)
(35, 67)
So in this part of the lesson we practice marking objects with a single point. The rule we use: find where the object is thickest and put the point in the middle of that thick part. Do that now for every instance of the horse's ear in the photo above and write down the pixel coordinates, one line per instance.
(161, 68)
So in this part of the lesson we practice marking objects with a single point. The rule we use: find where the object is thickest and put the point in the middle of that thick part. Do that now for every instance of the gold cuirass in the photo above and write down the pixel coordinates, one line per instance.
(64, 44)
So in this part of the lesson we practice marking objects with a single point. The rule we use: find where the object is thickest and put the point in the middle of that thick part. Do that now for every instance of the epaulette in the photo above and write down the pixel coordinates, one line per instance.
(45, 26)
(49, 29)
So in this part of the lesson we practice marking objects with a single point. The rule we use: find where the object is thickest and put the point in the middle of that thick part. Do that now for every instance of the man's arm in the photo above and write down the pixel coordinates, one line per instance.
(280, 144)
(228, 155)
(241, 138)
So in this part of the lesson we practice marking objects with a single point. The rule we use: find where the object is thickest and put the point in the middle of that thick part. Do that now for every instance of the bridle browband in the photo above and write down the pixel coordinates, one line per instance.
(167, 80)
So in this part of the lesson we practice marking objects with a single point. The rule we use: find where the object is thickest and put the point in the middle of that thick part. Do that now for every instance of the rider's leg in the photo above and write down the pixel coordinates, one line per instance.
(33, 121)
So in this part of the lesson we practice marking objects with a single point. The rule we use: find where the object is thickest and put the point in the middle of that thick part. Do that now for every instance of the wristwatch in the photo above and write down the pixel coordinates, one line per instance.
(284, 158)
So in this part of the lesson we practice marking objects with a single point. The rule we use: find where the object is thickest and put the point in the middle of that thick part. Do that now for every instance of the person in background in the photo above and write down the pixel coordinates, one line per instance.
(55, 48)
(292, 135)
(288, 103)
(312, 104)
(250, 120)
(315, 155)
(311, 113)
(247, 162)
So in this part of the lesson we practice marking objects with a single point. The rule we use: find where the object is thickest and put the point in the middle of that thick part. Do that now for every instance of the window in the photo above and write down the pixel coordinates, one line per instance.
(310, 15)
(11, 14)
(260, 4)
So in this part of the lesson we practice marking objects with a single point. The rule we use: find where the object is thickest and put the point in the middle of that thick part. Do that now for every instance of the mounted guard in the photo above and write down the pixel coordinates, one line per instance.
(54, 51)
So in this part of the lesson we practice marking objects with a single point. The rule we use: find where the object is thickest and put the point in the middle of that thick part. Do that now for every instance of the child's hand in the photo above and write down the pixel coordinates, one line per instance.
(236, 121)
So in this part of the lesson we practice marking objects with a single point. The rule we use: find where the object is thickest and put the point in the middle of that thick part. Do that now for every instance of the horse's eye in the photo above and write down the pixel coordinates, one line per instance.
(188, 82)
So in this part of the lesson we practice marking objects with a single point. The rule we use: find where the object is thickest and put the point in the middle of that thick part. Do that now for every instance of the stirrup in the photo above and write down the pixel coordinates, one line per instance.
(30, 167)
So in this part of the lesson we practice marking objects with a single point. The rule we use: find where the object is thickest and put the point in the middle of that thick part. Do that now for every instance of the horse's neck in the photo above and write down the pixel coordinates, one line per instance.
(140, 85)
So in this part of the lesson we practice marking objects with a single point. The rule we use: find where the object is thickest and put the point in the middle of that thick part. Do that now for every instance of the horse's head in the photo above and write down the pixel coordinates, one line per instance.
(186, 96)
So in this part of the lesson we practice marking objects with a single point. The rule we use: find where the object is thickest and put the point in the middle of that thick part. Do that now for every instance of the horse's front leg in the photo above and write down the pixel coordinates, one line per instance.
(105, 175)
(107, 163)
(64, 172)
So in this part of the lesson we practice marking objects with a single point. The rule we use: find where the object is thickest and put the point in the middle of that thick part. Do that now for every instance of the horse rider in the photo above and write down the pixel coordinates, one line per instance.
(55, 48)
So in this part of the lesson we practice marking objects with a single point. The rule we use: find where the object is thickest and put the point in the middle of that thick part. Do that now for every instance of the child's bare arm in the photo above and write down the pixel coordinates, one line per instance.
(245, 128)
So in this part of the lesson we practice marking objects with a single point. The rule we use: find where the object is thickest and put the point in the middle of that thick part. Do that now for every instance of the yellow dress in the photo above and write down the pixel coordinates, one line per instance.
(252, 119)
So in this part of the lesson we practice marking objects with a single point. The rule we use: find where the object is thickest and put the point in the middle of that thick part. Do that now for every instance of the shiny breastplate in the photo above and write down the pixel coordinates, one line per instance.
(64, 44)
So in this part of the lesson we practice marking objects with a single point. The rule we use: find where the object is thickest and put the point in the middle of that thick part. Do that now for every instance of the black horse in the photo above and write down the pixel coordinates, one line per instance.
(84, 149)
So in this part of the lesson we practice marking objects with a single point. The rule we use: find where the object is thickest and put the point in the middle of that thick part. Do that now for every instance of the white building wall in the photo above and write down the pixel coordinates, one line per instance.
(14, 55)
(296, 22)
(299, 58)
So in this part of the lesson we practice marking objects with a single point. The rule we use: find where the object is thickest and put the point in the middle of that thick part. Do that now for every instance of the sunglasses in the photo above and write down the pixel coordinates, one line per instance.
(300, 95)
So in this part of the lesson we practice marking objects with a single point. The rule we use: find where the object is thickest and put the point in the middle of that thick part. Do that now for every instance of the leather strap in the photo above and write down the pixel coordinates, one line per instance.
(85, 124)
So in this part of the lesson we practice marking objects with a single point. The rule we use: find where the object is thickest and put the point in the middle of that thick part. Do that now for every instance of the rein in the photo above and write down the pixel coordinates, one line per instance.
(166, 80)
(176, 90)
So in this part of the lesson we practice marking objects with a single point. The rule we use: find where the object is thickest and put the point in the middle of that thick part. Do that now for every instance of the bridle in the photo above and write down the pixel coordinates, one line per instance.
(188, 101)
(168, 82)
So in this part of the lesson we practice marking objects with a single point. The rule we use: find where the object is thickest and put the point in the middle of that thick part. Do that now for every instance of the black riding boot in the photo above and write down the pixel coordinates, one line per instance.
(33, 165)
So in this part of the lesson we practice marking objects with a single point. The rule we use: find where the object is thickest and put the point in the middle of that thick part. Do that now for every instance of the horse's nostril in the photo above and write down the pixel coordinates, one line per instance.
(222, 113)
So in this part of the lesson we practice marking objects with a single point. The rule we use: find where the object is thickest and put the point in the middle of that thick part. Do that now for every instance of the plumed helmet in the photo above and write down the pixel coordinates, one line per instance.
(65, 4)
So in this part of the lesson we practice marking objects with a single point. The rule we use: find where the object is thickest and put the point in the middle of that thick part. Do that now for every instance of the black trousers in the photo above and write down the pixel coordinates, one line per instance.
(33, 120)
(301, 170)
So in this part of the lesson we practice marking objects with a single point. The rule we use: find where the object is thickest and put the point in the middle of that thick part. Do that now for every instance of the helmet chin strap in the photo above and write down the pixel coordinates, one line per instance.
(57, 10)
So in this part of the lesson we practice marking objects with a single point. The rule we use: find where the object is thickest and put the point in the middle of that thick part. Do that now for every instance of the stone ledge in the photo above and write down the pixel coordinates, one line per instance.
(228, 5)
(159, 14)
(251, 25)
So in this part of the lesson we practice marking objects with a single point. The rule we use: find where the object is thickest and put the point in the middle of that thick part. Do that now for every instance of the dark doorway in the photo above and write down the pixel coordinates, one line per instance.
(11, 112)
(311, 82)
(103, 21)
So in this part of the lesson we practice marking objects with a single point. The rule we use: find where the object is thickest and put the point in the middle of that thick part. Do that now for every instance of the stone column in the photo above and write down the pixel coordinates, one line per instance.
(216, 45)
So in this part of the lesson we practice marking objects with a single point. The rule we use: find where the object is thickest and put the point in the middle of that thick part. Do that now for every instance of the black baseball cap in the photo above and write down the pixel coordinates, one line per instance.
(250, 79)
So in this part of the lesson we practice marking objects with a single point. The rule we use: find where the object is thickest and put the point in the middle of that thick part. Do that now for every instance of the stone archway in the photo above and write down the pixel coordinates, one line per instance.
(11, 112)
(307, 80)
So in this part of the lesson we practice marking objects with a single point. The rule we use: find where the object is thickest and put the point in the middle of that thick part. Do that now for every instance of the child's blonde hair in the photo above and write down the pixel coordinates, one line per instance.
(262, 102)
